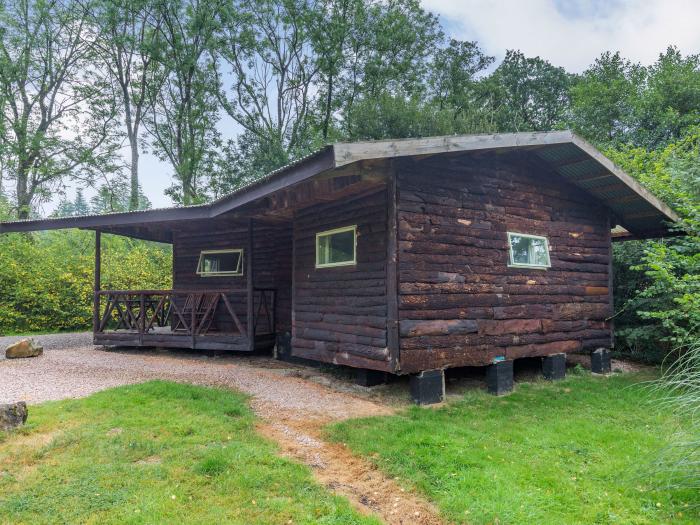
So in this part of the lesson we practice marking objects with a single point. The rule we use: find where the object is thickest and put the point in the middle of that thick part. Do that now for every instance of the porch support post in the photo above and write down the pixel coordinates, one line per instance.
(249, 284)
(97, 285)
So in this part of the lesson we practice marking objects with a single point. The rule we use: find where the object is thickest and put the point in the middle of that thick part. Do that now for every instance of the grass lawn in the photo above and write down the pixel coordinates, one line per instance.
(575, 451)
(155, 453)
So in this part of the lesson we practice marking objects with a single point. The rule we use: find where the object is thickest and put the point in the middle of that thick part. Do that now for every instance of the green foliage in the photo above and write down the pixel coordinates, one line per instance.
(57, 114)
(657, 283)
(550, 453)
(396, 116)
(156, 453)
(527, 94)
(46, 279)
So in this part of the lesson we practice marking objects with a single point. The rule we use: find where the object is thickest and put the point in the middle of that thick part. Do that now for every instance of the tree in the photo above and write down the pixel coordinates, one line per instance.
(266, 48)
(604, 99)
(115, 196)
(78, 206)
(127, 41)
(398, 116)
(670, 104)
(527, 93)
(453, 80)
(57, 117)
(291, 71)
(366, 50)
(185, 108)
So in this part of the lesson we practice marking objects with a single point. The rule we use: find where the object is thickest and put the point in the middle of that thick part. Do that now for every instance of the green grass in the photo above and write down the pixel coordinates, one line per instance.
(576, 451)
(155, 453)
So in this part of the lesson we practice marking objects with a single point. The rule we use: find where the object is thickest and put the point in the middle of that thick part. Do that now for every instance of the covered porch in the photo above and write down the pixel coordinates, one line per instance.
(182, 319)
(210, 305)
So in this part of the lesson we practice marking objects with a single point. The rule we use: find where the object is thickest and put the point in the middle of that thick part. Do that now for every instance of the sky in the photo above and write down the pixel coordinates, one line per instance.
(568, 33)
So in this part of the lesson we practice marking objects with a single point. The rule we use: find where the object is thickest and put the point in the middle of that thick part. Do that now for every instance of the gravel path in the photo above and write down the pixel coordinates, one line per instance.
(51, 341)
(72, 367)
(294, 403)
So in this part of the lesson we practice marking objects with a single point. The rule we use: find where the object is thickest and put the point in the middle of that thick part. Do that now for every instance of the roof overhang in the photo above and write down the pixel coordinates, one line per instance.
(577, 161)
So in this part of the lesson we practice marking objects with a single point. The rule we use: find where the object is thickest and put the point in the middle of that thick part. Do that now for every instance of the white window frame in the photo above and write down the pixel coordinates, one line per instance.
(326, 233)
(513, 264)
(237, 273)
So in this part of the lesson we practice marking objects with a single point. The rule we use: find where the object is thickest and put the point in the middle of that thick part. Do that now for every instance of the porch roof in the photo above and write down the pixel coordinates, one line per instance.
(635, 208)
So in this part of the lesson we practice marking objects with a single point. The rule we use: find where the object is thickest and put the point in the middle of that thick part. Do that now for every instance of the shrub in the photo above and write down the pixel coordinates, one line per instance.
(46, 278)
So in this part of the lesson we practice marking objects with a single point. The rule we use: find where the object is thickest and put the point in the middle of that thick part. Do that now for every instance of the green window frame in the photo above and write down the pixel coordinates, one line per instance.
(210, 262)
(332, 247)
(528, 251)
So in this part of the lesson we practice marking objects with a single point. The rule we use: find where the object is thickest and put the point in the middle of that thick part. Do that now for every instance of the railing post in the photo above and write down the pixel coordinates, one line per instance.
(193, 319)
(96, 287)
(142, 316)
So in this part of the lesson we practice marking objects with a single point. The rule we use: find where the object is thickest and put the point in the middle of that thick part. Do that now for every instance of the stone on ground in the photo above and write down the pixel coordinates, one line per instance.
(13, 415)
(23, 348)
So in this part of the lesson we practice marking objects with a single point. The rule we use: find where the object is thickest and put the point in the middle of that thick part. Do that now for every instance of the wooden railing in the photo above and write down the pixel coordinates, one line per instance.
(188, 313)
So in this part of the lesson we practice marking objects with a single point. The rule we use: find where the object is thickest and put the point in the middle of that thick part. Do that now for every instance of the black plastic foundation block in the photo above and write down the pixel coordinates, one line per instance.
(554, 366)
(367, 377)
(428, 387)
(600, 361)
(499, 378)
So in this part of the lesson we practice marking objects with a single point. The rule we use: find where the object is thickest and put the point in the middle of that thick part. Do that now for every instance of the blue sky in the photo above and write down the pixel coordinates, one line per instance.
(568, 33)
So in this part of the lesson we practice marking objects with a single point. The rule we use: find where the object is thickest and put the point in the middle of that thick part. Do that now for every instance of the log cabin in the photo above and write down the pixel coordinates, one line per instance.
(393, 257)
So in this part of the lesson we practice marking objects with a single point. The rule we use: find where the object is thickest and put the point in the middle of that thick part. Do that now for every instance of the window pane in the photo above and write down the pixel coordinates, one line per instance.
(323, 244)
(336, 248)
(538, 252)
(532, 251)
(342, 247)
(225, 262)
(520, 247)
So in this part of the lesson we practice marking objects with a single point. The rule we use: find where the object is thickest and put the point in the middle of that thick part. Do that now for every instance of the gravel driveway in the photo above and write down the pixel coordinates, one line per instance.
(72, 367)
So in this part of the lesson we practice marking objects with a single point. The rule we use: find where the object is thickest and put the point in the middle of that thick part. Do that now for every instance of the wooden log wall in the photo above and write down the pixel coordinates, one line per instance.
(340, 314)
(459, 302)
(271, 264)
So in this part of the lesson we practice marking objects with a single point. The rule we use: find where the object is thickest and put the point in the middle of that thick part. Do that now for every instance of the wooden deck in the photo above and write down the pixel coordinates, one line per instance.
(169, 339)
(197, 320)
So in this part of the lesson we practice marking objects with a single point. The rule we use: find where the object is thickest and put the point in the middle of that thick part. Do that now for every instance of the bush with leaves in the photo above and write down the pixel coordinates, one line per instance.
(657, 283)
(46, 279)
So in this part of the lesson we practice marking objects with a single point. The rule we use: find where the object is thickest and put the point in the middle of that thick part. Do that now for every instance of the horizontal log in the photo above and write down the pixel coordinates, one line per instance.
(512, 326)
(413, 328)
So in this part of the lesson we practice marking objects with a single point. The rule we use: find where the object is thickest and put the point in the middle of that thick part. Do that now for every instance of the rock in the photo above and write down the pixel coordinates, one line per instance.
(23, 348)
(13, 415)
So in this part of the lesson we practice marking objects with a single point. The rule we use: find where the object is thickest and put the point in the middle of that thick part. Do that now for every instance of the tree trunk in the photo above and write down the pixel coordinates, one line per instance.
(134, 196)
(24, 199)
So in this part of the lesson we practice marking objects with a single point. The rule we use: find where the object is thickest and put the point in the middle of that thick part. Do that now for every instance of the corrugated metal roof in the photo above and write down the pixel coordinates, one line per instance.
(570, 156)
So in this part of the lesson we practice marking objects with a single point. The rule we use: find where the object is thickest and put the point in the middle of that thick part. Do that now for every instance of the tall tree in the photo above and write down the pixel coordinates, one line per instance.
(291, 71)
(58, 121)
(128, 40)
(670, 103)
(115, 195)
(527, 93)
(604, 98)
(265, 51)
(184, 112)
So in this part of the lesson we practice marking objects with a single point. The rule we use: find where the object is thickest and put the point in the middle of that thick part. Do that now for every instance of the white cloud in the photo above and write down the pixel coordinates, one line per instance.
(572, 33)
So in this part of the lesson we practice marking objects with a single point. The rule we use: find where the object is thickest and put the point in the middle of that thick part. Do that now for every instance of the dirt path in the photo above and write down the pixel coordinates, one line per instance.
(291, 403)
